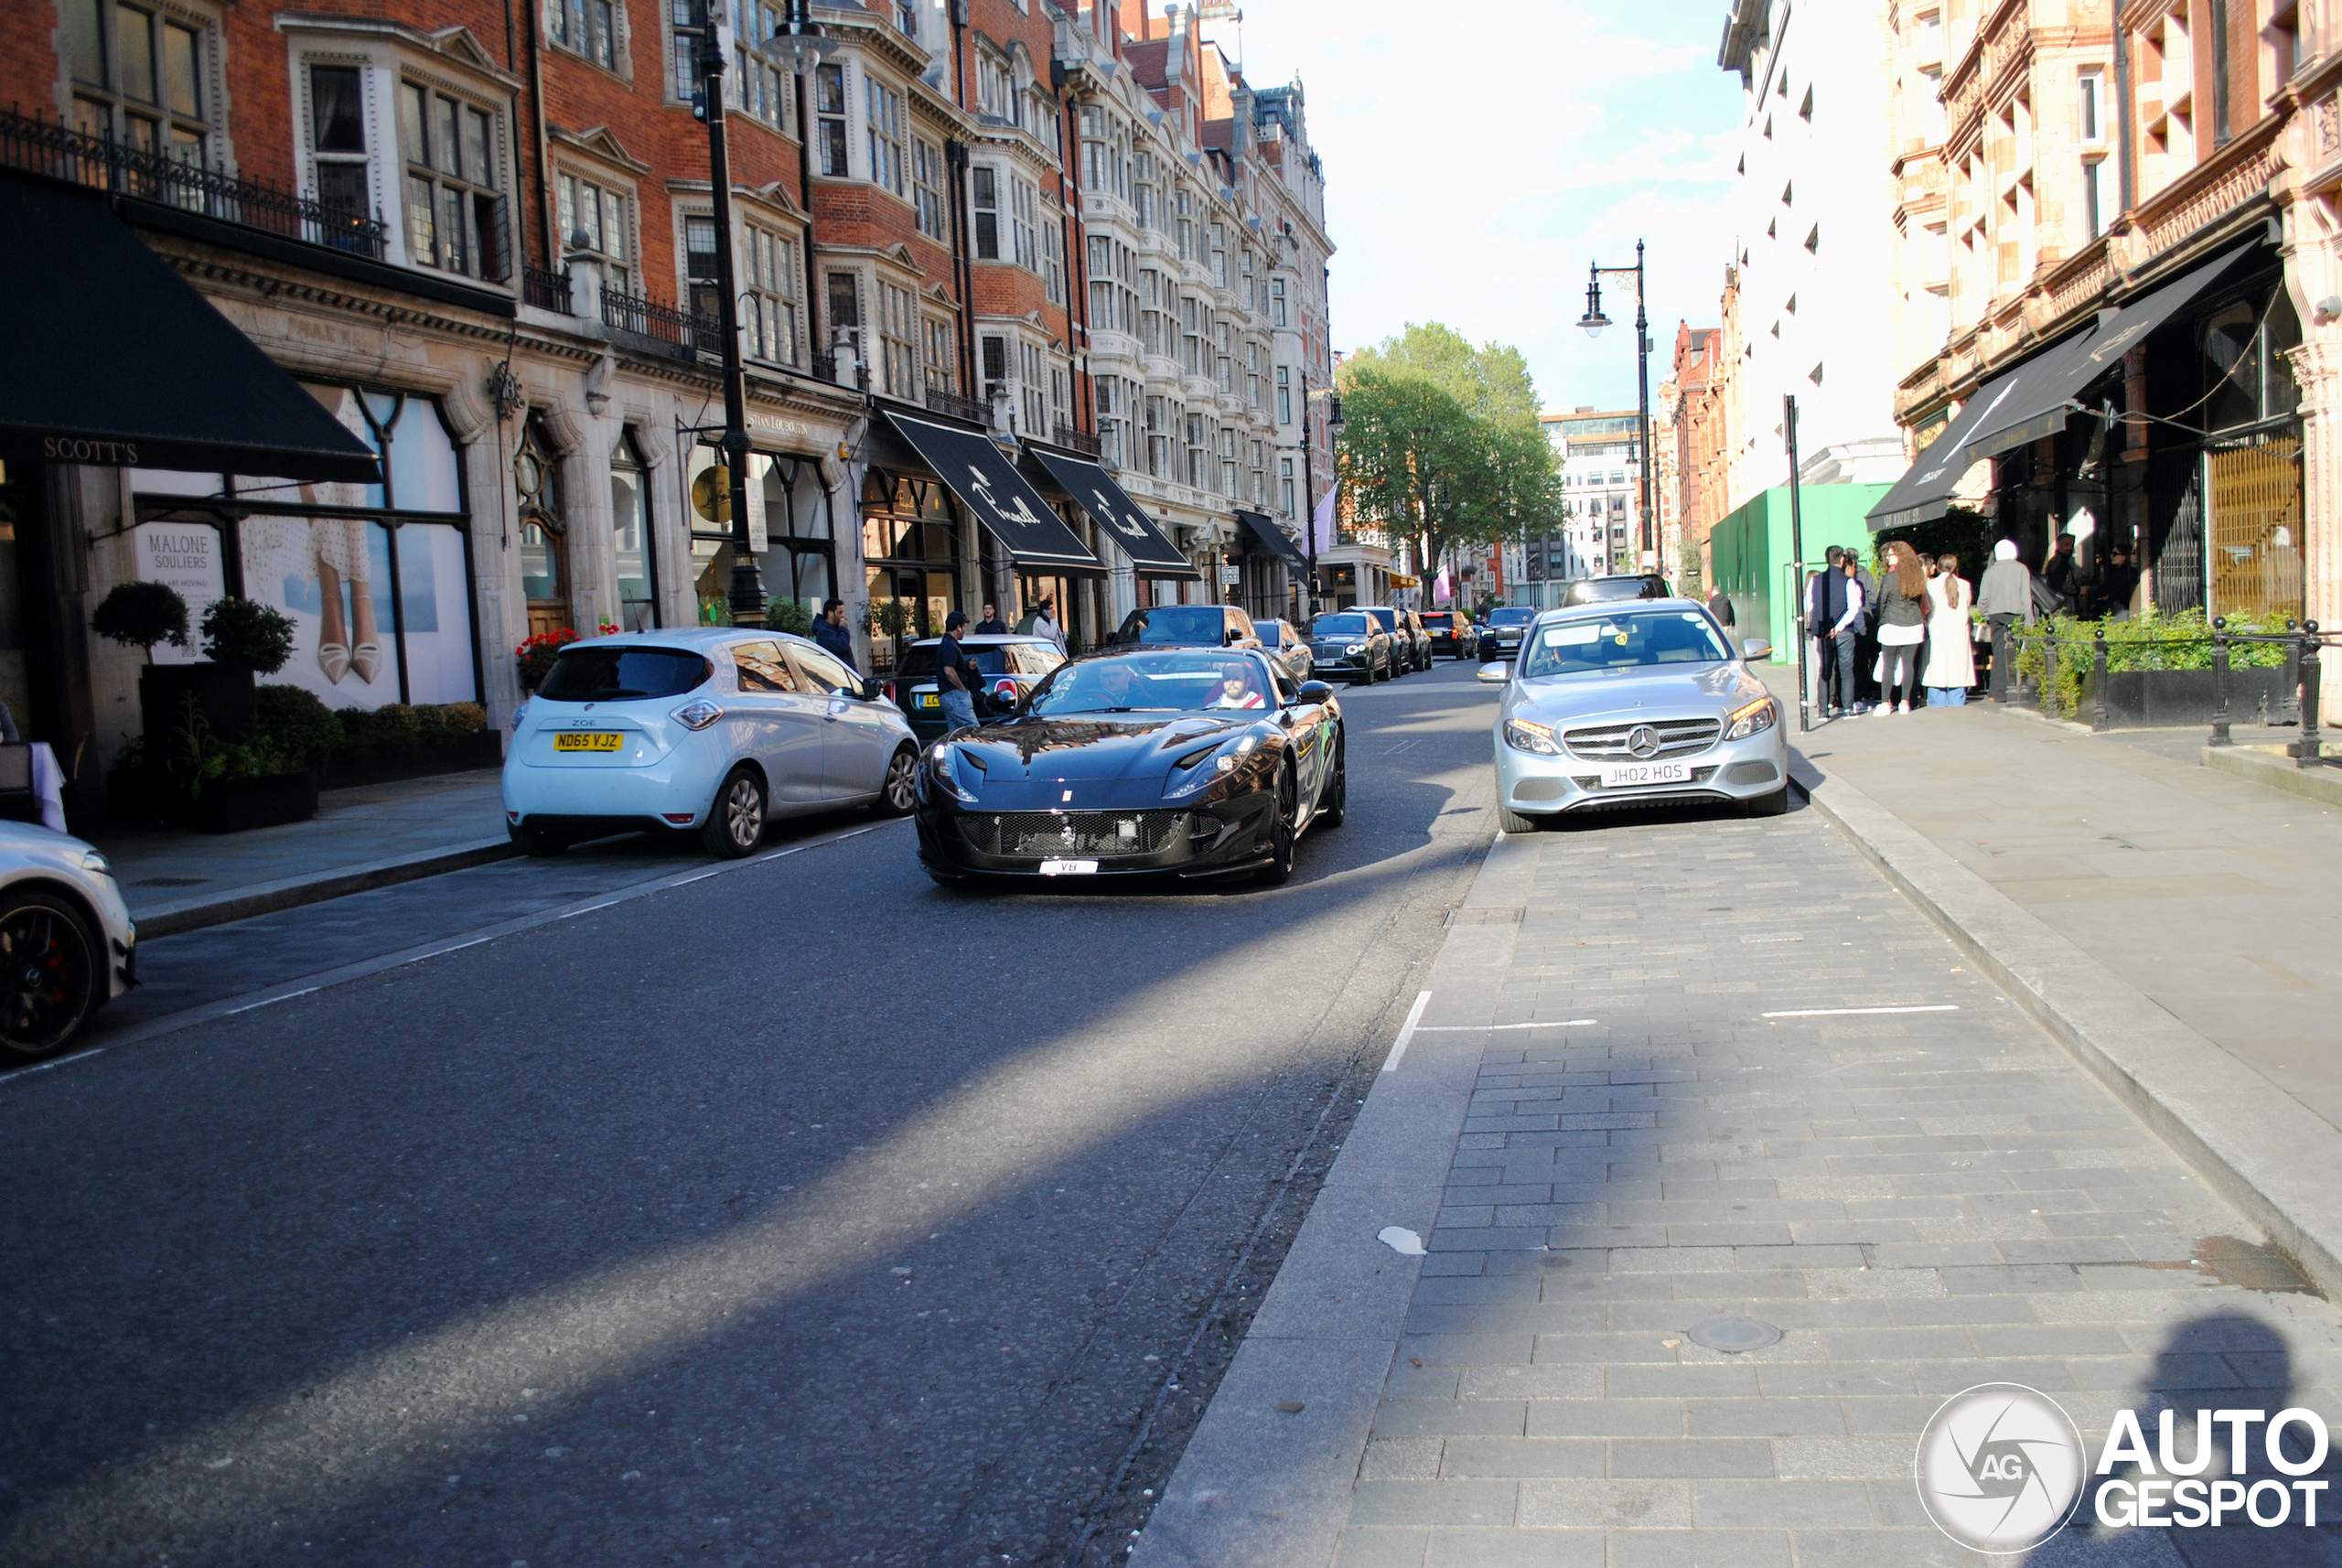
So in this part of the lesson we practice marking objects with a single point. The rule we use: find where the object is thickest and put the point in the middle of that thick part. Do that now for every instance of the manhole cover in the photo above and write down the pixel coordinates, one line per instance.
(1733, 1335)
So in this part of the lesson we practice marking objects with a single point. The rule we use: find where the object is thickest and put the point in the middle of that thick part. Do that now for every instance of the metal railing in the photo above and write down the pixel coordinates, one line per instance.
(547, 291)
(47, 147)
(1073, 440)
(2299, 644)
(682, 331)
(958, 407)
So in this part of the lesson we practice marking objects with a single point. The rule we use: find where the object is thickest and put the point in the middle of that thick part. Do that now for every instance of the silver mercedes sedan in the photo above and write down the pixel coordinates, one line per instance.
(1634, 703)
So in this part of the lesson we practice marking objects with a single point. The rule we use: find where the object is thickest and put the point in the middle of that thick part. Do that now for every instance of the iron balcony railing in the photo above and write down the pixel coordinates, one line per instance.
(958, 407)
(42, 147)
(684, 332)
(1073, 440)
(544, 290)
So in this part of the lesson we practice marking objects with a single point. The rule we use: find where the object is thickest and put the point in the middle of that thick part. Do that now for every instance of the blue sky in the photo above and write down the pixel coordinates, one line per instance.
(1480, 154)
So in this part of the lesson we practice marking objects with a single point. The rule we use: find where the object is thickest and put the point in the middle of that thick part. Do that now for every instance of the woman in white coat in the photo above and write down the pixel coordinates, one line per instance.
(1951, 649)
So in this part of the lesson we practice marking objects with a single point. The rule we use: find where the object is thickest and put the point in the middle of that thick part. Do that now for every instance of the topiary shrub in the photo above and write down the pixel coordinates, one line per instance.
(244, 634)
(140, 614)
(297, 722)
(789, 616)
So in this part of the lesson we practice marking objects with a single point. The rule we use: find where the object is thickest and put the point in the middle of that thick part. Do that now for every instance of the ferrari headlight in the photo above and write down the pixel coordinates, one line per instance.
(946, 777)
(1750, 718)
(1523, 735)
(1199, 770)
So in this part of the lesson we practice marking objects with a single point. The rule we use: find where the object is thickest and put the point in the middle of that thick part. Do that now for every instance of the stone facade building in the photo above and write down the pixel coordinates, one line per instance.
(481, 237)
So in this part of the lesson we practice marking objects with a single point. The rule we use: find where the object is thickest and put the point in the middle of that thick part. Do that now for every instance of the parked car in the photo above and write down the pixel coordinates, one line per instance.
(1405, 656)
(67, 943)
(1634, 703)
(1410, 621)
(1451, 633)
(1182, 761)
(1352, 645)
(713, 729)
(1185, 625)
(1010, 667)
(1501, 631)
(1283, 641)
(1605, 590)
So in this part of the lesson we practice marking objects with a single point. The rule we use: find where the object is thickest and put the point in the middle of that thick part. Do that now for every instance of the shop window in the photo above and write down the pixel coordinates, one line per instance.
(140, 79)
(456, 220)
(376, 578)
(633, 553)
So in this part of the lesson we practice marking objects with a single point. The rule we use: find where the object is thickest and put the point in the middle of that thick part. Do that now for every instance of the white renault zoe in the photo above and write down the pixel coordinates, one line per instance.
(718, 729)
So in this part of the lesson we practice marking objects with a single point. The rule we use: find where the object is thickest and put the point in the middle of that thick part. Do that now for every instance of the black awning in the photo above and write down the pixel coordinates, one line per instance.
(988, 485)
(2055, 383)
(111, 358)
(1124, 521)
(1274, 540)
(1924, 491)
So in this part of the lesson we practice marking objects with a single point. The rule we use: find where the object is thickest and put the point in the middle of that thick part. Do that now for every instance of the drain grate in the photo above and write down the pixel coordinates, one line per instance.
(1734, 1335)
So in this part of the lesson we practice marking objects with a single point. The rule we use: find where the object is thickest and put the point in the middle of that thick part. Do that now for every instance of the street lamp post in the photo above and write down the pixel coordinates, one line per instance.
(1594, 321)
(802, 46)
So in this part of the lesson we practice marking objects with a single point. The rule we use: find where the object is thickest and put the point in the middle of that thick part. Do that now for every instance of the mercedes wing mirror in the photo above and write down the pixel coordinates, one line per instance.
(1756, 648)
(1496, 672)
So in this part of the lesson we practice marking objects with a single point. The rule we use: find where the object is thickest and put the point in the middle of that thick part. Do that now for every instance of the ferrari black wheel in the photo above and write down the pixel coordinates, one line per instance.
(1279, 870)
(1335, 805)
(49, 976)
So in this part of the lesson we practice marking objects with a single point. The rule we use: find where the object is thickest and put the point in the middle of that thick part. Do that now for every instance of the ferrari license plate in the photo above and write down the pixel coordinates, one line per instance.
(588, 740)
(1068, 867)
(1627, 775)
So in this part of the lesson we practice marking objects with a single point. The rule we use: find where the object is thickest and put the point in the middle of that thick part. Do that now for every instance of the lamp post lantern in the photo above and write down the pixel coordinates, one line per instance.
(1594, 321)
(800, 45)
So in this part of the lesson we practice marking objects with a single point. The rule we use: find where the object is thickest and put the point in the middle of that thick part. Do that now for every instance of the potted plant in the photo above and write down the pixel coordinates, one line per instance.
(225, 785)
(140, 614)
(536, 653)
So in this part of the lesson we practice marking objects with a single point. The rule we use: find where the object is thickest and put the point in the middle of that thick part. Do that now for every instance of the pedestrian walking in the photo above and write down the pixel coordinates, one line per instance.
(1845, 633)
(2005, 596)
(1045, 624)
(1902, 628)
(1825, 601)
(952, 676)
(992, 625)
(1720, 607)
(832, 632)
(1951, 647)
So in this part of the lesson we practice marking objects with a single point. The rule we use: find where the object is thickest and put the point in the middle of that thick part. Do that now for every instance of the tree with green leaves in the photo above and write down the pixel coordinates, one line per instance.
(1441, 445)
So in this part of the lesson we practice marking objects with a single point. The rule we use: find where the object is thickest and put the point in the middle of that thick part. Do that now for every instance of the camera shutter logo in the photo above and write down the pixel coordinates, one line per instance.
(2000, 1467)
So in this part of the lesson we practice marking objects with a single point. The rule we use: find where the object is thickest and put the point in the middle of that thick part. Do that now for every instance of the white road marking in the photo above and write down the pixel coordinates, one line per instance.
(1407, 1030)
(1485, 1028)
(605, 904)
(1852, 1012)
(271, 1001)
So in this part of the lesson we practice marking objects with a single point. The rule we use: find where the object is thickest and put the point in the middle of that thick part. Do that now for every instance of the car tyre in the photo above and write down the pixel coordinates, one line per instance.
(1513, 822)
(1279, 871)
(53, 976)
(537, 843)
(1772, 805)
(1334, 809)
(899, 792)
(735, 818)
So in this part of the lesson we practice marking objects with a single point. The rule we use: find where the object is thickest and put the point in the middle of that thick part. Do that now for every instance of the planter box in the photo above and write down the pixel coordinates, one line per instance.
(222, 696)
(459, 754)
(2183, 699)
(233, 805)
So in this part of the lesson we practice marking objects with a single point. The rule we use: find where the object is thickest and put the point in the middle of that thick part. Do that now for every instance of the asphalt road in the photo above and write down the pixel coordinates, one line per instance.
(602, 1210)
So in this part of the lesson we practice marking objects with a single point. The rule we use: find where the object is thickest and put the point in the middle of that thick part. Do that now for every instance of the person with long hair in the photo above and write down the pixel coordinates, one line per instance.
(1902, 628)
(1951, 647)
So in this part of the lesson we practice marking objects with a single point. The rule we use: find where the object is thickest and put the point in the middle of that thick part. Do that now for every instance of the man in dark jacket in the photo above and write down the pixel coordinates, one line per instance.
(1720, 607)
(2060, 575)
(1825, 603)
(992, 625)
(832, 632)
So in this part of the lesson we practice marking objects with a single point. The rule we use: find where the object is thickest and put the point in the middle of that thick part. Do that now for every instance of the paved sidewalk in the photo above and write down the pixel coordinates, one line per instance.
(1920, 1201)
(2214, 896)
(359, 839)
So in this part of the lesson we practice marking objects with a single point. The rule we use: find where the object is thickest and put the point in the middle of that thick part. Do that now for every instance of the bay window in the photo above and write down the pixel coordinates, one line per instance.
(455, 220)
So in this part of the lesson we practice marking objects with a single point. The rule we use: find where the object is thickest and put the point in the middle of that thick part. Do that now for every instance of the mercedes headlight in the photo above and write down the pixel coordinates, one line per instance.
(1523, 735)
(1750, 718)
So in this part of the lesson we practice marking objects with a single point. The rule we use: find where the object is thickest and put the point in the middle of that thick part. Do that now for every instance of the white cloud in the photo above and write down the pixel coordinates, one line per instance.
(1478, 157)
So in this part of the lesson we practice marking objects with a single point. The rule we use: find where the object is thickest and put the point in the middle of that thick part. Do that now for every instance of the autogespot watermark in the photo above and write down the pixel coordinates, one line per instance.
(2001, 1467)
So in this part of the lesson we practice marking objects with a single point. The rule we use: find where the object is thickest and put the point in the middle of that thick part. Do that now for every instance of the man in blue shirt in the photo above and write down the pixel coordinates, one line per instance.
(832, 632)
(951, 680)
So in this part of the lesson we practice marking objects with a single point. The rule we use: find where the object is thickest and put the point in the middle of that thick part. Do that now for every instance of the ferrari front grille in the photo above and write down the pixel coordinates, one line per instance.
(1087, 835)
